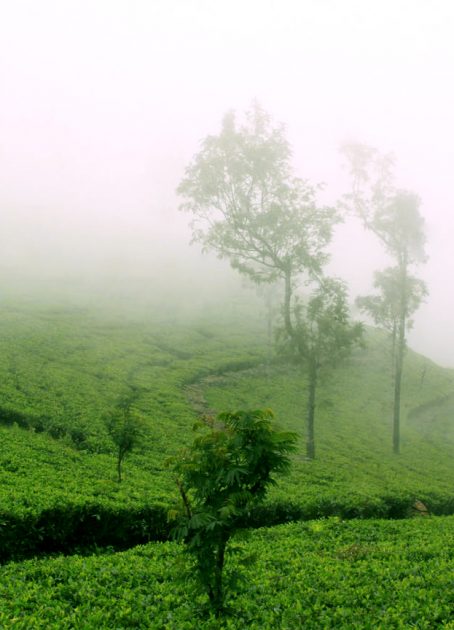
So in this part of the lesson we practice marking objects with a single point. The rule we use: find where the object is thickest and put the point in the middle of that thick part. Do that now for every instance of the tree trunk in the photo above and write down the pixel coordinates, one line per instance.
(218, 594)
(119, 459)
(393, 349)
(399, 354)
(312, 385)
(269, 329)
(397, 385)
(287, 301)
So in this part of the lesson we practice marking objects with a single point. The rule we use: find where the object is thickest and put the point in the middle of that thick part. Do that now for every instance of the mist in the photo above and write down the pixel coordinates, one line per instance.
(102, 105)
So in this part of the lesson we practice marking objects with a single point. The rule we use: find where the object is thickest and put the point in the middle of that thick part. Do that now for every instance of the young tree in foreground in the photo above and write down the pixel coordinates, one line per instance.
(221, 478)
(393, 216)
(322, 335)
(126, 430)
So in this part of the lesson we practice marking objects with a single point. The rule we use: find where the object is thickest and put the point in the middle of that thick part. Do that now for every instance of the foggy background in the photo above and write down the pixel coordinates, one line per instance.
(103, 103)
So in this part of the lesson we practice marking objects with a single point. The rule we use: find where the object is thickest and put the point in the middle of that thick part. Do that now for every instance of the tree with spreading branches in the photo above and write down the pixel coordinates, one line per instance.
(249, 208)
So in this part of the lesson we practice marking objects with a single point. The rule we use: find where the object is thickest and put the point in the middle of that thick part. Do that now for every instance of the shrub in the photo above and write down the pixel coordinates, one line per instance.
(221, 478)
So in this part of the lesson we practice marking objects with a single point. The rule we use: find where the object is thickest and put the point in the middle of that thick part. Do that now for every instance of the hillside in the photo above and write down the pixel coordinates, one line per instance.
(63, 370)
(355, 471)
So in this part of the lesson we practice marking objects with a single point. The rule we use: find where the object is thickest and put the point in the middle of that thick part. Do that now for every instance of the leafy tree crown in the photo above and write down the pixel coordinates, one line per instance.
(247, 206)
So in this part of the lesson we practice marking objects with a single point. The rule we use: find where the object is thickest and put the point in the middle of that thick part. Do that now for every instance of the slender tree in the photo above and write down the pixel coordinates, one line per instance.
(394, 216)
(126, 430)
(322, 335)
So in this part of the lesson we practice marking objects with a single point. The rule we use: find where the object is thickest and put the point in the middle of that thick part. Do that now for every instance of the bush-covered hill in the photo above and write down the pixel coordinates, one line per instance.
(317, 575)
(62, 370)
(355, 473)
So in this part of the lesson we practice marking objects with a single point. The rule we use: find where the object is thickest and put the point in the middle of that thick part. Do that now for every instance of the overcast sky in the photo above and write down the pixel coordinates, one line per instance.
(102, 103)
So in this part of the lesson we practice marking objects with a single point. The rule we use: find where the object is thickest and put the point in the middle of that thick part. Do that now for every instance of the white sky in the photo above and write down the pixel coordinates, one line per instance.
(103, 102)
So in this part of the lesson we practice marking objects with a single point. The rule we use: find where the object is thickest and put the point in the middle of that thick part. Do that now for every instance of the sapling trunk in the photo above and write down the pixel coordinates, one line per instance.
(218, 593)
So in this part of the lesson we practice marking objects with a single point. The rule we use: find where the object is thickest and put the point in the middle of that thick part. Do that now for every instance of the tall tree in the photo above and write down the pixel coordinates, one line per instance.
(322, 335)
(249, 208)
(394, 216)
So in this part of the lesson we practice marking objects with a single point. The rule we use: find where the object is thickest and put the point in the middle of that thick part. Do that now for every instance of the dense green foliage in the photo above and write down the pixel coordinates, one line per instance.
(63, 369)
(316, 575)
(71, 368)
(56, 494)
(222, 477)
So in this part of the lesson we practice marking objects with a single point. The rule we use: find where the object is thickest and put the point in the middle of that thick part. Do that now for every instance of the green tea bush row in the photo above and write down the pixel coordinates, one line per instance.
(323, 574)
(74, 368)
(69, 527)
(53, 498)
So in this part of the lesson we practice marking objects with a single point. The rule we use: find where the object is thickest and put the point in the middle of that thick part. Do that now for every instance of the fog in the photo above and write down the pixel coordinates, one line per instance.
(103, 103)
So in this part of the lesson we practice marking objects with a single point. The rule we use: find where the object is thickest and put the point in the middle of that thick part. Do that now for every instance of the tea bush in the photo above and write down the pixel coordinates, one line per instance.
(321, 574)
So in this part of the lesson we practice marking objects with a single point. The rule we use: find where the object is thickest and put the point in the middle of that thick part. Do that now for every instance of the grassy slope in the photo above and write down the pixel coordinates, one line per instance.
(65, 368)
(62, 370)
(354, 464)
(73, 366)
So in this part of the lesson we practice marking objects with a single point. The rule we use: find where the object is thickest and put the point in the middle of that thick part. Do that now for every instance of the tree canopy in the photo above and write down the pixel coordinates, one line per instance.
(249, 208)
(384, 305)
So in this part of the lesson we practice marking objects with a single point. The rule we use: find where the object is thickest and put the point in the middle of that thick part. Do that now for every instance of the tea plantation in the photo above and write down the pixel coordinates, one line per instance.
(64, 370)
(319, 574)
